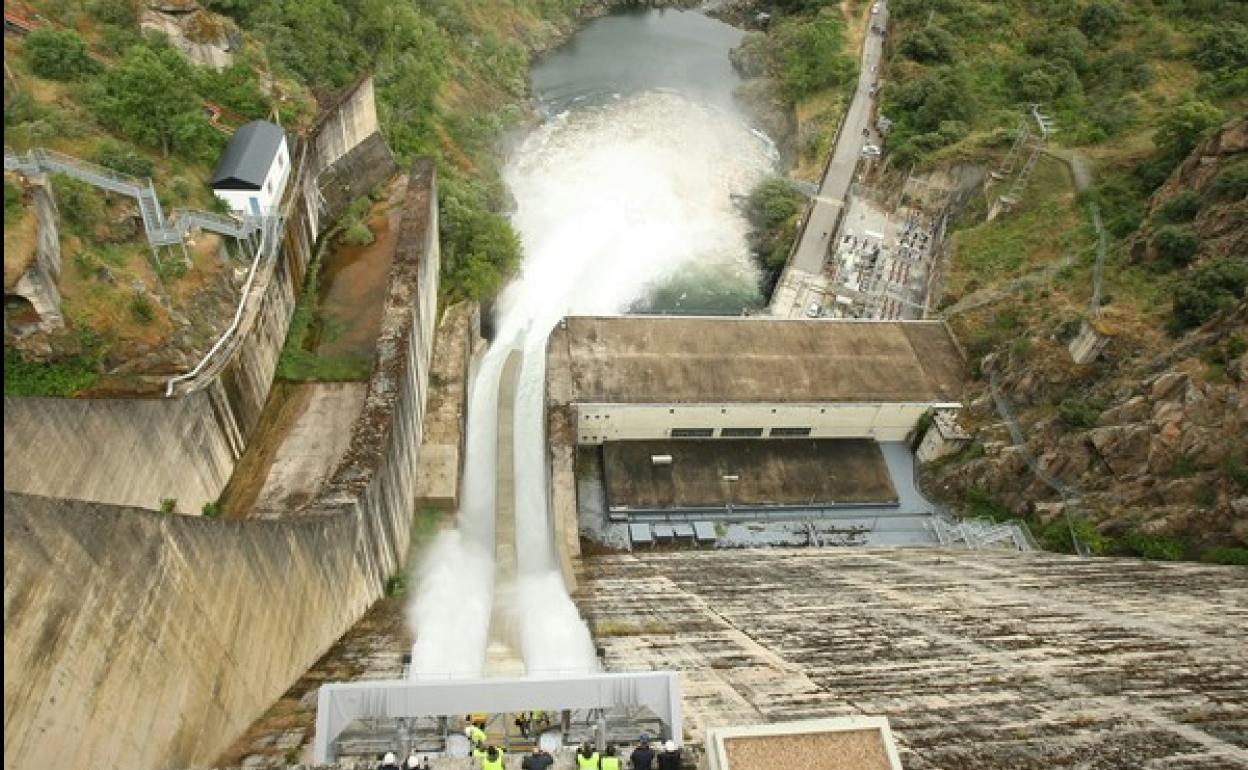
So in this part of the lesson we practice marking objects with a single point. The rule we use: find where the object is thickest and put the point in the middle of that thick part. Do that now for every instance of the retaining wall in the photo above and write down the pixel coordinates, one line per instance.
(140, 450)
(135, 639)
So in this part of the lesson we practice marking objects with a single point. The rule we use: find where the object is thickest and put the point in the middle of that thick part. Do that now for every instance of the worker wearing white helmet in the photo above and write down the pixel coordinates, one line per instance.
(670, 758)
(389, 762)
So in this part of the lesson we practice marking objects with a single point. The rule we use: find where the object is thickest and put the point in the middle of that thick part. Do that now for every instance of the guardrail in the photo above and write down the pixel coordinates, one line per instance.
(1067, 492)
(160, 231)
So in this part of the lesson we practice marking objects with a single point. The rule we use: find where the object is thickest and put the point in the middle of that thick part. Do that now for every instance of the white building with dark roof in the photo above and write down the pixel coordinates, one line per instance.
(252, 173)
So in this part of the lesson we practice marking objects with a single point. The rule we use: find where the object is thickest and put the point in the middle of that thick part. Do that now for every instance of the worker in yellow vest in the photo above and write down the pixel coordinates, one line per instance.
(476, 736)
(610, 761)
(492, 759)
(587, 757)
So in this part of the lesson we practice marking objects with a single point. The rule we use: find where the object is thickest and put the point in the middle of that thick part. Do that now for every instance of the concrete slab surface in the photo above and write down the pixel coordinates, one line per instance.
(767, 472)
(658, 360)
(980, 660)
(303, 435)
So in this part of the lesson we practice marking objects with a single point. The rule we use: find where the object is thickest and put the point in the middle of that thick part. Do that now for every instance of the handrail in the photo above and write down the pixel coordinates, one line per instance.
(270, 229)
(161, 231)
(261, 252)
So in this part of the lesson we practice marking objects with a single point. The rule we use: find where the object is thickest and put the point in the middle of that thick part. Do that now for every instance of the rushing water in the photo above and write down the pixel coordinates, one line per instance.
(625, 201)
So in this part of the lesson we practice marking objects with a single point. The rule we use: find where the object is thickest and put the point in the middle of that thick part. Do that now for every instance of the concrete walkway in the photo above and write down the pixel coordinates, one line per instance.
(839, 174)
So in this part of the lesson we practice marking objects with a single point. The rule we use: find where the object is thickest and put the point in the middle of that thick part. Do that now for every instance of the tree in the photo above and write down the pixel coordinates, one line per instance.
(932, 44)
(311, 37)
(1224, 47)
(146, 97)
(58, 54)
(1184, 126)
(807, 56)
(1102, 20)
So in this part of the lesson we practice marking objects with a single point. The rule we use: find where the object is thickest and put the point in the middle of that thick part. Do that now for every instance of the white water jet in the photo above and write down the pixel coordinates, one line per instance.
(612, 201)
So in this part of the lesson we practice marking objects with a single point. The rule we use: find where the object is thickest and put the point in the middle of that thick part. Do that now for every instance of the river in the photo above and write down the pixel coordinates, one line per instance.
(625, 202)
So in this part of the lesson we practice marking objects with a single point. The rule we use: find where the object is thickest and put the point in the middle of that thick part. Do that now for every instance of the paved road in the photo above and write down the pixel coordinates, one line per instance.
(836, 180)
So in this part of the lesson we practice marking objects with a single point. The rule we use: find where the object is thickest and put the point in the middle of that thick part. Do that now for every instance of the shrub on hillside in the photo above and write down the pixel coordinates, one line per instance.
(1176, 245)
(1079, 413)
(1102, 20)
(1183, 127)
(81, 206)
(123, 159)
(1230, 184)
(58, 54)
(1181, 208)
(1207, 290)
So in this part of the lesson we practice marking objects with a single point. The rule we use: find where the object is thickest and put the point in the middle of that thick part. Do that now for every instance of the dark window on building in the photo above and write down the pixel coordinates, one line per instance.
(741, 432)
(692, 432)
(790, 431)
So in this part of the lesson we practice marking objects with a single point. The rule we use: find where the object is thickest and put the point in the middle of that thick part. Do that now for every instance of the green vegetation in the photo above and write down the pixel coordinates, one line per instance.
(806, 53)
(211, 509)
(141, 307)
(960, 71)
(355, 230)
(1225, 555)
(13, 206)
(64, 377)
(145, 97)
(773, 209)
(1176, 245)
(299, 362)
(1181, 208)
(81, 205)
(123, 159)
(168, 504)
(1231, 184)
(59, 54)
(1156, 547)
(1208, 289)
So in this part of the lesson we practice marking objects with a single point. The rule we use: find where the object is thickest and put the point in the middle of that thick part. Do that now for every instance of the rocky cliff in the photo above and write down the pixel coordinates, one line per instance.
(1152, 439)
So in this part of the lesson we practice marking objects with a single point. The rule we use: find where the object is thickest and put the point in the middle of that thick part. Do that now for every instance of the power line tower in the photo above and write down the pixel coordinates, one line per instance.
(1030, 140)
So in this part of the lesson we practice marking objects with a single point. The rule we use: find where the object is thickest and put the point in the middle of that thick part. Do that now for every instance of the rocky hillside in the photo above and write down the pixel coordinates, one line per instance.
(1153, 437)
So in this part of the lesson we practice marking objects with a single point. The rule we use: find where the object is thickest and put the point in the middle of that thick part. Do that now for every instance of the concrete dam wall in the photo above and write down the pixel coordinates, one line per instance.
(136, 639)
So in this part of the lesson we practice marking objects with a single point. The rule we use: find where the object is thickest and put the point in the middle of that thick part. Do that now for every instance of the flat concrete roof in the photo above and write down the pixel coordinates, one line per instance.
(647, 359)
(768, 472)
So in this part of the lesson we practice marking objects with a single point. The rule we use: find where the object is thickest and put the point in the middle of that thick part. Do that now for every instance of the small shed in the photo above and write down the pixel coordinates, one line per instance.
(252, 174)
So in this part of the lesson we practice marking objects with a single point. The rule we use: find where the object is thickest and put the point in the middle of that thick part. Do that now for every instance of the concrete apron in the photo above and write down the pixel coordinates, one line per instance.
(501, 657)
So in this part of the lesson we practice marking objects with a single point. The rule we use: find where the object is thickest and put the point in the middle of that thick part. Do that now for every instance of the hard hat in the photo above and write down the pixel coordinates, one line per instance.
(412, 761)
(389, 758)
(669, 746)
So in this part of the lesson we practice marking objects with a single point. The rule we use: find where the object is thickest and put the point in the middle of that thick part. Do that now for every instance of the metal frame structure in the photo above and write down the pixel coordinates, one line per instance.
(341, 703)
(1037, 141)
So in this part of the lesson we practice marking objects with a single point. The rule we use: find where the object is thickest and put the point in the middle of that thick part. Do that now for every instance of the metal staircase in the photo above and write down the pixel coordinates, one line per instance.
(978, 534)
(161, 231)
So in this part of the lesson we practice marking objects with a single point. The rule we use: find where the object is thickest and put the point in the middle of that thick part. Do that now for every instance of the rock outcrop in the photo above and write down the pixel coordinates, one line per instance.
(204, 38)
(32, 267)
